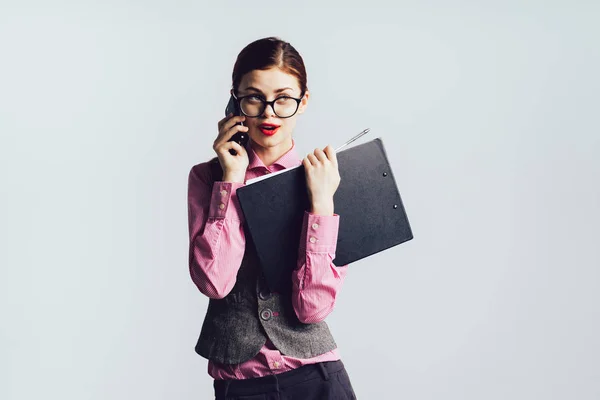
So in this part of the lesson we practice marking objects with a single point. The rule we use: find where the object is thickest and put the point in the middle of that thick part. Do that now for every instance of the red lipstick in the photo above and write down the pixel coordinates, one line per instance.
(268, 129)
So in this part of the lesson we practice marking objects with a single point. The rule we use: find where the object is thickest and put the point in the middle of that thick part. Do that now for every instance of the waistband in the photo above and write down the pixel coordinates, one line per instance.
(272, 383)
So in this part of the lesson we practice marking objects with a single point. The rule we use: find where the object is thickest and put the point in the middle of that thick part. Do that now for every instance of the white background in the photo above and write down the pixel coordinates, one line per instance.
(489, 113)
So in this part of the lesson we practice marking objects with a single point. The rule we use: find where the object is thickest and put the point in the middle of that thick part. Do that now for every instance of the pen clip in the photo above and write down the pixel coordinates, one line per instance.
(353, 139)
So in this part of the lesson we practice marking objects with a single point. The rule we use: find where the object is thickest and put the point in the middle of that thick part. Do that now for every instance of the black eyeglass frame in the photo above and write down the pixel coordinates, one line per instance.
(266, 103)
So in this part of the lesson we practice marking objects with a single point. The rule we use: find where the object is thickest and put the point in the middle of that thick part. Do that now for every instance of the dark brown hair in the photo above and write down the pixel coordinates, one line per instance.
(268, 53)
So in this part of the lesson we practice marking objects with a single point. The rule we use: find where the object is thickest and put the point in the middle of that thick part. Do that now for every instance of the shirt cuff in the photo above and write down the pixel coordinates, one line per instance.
(321, 232)
(224, 202)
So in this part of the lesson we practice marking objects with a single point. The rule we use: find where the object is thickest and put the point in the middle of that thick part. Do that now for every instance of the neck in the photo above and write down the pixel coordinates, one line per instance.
(269, 155)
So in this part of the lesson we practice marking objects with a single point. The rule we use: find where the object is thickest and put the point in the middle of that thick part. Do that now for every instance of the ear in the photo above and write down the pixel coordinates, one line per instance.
(304, 102)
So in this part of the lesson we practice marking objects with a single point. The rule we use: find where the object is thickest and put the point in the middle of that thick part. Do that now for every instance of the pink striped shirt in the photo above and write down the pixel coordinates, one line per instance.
(217, 244)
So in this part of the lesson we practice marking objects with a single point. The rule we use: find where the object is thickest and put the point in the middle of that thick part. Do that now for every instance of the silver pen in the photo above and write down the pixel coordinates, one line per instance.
(353, 139)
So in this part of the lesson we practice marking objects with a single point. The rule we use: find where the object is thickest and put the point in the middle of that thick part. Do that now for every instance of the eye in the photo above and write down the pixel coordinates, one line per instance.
(254, 99)
(284, 99)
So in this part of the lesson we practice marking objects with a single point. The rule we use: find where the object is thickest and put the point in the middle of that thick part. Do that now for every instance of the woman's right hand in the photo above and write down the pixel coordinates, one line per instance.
(234, 166)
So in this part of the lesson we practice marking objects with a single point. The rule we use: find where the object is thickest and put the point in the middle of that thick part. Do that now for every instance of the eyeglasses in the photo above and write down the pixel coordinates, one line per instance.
(254, 105)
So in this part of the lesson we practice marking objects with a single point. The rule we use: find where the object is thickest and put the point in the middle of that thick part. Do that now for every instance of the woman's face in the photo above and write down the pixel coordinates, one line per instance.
(270, 84)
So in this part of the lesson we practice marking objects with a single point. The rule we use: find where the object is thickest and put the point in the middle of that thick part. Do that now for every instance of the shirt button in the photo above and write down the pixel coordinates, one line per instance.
(312, 240)
(221, 206)
(315, 225)
(276, 364)
(266, 314)
(223, 193)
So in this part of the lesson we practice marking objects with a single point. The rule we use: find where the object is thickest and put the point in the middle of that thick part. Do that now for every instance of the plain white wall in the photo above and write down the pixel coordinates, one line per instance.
(489, 113)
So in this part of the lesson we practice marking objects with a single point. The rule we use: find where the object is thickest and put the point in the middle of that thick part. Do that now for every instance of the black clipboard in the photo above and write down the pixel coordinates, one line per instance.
(371, 210)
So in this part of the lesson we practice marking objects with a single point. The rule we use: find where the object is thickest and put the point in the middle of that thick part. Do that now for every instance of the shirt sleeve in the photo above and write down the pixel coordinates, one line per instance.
(216, 234)
(317, 280)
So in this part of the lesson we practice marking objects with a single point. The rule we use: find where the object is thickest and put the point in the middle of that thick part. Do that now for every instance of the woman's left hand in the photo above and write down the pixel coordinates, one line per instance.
(322, 179)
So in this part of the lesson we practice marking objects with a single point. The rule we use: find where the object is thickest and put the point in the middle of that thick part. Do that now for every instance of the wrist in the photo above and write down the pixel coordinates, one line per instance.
(233, 177)
(322, 207)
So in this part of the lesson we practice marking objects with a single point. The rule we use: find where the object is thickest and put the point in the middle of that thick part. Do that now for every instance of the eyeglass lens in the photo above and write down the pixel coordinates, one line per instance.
(254, 106)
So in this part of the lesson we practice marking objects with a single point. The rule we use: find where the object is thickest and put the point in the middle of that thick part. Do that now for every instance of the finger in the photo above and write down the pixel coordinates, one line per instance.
(313, 160)
(232, 121)
(321, 156)
(238, 149)
(235, 129)
(331, 154)
(306, 163)
(228, 134)
(222, 121)
(227, 124)
(225, 147)
(224, 141)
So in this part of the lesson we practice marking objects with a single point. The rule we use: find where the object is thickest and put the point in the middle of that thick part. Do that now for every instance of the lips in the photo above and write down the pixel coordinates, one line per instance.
(268, 129)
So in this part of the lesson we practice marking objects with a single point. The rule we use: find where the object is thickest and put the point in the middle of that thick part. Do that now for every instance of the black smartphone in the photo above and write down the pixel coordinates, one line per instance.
(240, 138)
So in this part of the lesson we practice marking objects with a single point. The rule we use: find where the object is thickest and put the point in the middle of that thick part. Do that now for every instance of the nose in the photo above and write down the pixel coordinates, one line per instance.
(266, 113)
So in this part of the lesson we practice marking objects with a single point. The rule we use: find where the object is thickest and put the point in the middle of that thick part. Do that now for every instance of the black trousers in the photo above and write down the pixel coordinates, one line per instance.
(322, 381)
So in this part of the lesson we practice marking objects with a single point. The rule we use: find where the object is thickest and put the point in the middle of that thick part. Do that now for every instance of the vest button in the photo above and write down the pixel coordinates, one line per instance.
(264, 295)
(266, 314)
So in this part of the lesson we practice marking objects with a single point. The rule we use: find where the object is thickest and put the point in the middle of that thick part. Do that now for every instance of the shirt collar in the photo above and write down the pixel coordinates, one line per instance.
(287, 160)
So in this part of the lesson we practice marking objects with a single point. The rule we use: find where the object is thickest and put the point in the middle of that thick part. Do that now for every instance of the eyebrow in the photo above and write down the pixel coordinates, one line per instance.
(252, 88)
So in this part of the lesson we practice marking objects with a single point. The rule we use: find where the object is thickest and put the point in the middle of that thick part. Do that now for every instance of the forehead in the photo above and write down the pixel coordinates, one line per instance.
(268, 81)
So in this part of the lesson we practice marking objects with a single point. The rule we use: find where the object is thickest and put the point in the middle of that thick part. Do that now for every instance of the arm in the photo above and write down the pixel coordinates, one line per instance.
(317, 280)
(216, 233)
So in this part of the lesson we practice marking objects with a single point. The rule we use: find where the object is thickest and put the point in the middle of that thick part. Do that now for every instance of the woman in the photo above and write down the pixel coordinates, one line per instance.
(264, 345)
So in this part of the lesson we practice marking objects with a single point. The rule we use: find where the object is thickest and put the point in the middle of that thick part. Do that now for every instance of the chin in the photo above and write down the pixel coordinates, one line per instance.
(269, 141)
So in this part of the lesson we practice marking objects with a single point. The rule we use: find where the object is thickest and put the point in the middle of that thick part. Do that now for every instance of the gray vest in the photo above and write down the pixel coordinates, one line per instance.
(237, 326)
